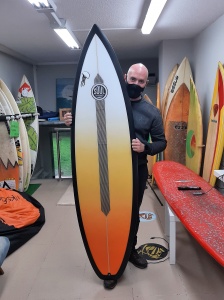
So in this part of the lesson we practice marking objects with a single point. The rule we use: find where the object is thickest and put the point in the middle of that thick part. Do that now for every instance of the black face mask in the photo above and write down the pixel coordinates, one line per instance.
(134, 90)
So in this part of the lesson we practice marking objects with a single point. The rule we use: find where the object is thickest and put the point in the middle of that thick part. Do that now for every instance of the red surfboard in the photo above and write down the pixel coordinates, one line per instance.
(202, 215)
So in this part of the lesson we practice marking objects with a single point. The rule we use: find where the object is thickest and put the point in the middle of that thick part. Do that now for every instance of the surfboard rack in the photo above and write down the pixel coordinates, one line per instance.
(4, 118)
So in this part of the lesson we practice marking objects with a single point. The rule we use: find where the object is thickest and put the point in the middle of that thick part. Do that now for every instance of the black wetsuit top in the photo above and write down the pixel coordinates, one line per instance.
(148, 123)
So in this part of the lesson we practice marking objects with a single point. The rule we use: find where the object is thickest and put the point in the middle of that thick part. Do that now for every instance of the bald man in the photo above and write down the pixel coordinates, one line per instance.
(147, 122)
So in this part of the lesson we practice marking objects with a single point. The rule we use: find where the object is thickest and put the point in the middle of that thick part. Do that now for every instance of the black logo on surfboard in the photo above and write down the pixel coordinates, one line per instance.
(99, 91)
(85, 75)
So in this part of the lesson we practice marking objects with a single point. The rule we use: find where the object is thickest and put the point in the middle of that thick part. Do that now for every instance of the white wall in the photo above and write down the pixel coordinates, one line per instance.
(208, 51)
(46, 83)
(12, 71)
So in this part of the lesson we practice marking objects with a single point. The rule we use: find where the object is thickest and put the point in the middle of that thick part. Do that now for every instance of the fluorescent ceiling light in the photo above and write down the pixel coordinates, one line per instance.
(43, 3)
(153, 13)
(67, 37)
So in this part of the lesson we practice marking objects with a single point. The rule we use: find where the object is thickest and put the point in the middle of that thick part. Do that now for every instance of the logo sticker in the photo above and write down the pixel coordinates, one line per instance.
(146, 216)
(99, 91)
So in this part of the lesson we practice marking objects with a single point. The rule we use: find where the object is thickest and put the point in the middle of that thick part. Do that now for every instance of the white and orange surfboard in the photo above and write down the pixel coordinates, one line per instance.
(105, 181)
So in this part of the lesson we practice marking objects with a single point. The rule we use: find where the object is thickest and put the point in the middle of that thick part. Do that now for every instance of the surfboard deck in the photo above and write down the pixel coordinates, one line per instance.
(194, 142)
(213, 125)
(27, 105)
(201, 215)
(167, 89)
(176, 114)
(182, 76)
(9, 168)
(105, 194)
(220, 134)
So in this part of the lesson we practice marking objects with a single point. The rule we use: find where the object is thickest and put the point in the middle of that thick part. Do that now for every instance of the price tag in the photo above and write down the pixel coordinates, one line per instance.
(14, 129)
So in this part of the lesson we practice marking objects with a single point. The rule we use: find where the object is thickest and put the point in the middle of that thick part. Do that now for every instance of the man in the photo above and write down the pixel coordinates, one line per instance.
(147, 122)
(4, 247)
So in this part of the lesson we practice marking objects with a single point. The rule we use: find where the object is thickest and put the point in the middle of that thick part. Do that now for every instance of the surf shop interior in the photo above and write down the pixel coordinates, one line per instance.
(183, 51)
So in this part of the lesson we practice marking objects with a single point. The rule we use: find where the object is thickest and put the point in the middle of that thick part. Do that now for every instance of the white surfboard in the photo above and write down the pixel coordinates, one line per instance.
(9, 168)
(27, 105)
(22, 143)
(167, 89)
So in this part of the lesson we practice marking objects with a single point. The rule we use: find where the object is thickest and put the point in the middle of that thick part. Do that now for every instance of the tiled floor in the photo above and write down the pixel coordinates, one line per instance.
(53, 265)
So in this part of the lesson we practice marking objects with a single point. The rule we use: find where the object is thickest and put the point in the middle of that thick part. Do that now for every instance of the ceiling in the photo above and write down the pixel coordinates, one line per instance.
(27, 34)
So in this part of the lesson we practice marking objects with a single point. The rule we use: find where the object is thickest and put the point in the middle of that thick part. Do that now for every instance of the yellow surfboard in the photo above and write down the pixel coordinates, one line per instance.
(213, 126)
(194, 132)
(220, 138)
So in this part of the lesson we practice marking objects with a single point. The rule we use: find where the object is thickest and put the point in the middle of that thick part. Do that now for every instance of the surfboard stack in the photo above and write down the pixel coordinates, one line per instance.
(15, 153)
(182, 118)
(215, 134)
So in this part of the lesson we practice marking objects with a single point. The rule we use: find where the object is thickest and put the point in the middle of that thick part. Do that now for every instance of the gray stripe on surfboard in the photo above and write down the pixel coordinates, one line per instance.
(102, 156)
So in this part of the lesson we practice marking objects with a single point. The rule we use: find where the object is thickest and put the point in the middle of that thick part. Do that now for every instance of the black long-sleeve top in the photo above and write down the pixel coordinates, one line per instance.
(148, 123)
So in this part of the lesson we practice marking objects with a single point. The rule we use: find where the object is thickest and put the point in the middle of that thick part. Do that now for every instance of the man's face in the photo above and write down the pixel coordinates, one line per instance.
(137, 76)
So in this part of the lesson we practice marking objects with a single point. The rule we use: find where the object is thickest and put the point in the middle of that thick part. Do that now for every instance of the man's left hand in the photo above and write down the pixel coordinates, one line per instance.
(137, 146)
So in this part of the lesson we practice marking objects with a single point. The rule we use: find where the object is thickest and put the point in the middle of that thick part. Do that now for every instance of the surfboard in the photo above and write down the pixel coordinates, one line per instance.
(21, 141)
(176, 114)
(220, 136)
(158, 105)
(27, 105)
(167, 89)
(194, 141)
(104, 182)
(202, 215)
(9, 111)
(9, 168)
(181, 77)
(146, 97)
(213, 125)
(150, 158)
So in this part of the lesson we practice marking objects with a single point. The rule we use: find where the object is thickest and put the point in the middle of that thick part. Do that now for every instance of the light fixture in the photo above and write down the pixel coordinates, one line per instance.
(59, 25)
(67, 37)
(153, 13)
(43, 3)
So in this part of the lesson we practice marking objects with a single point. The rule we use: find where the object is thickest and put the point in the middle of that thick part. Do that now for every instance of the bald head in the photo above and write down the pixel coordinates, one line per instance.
(137, 74)
(140, 69)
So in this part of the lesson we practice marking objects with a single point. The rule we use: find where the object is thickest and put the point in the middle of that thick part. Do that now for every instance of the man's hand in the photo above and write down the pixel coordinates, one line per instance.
(137, 146)
(68, 119)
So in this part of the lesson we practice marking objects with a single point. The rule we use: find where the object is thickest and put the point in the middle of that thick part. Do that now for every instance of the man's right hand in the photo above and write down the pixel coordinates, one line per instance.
(68, 119)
